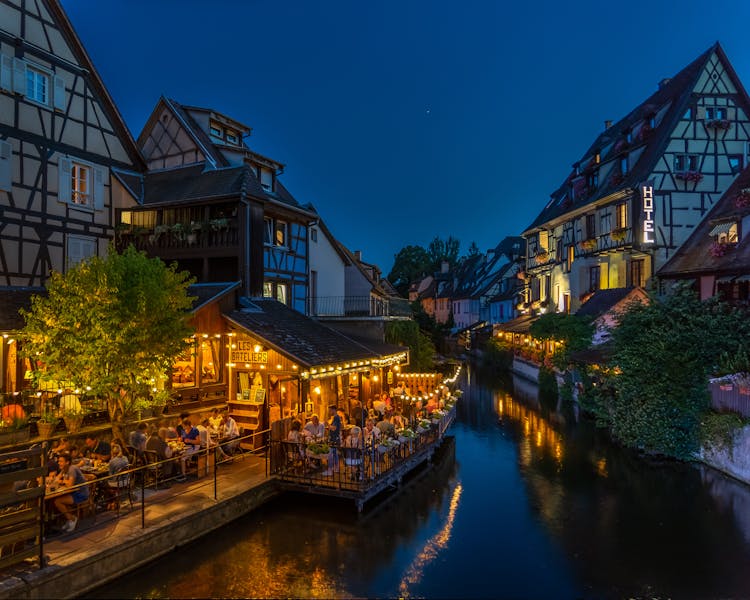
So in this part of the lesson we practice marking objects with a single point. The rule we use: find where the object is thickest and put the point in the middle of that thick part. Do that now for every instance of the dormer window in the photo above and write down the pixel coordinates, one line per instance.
(715, 113)
(624, 165)
(629, 136)
(592, 181)
(725, 233)
(216, 131)
(231, 137)
(266, 179)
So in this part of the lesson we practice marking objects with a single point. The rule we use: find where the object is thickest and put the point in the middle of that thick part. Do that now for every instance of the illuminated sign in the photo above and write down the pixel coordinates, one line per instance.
(647, 193)
(245, 353)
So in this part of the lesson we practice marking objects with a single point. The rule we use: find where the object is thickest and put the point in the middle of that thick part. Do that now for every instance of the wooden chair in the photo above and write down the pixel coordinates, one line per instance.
(88, 505)
(154, 472)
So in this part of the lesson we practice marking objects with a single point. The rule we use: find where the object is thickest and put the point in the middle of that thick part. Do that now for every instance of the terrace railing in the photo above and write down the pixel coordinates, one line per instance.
(359, 306)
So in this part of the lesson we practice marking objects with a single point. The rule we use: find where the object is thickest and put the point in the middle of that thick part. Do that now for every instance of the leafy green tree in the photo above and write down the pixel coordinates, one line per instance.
(473, 249)
(410, 265)
(443, 250)
(111, 325)
(421, 347)
(663, 354)
(573, 331)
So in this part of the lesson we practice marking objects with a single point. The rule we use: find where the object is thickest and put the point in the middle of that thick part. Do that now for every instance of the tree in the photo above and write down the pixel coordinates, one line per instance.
(574, 332)
(663, 354)
(110, 325)
(409, 265)
(473, 249)
(421, 347)
(443, 250)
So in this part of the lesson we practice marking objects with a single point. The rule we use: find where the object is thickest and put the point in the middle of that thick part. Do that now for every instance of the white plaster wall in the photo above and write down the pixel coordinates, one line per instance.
(329, 265)
(734, 461)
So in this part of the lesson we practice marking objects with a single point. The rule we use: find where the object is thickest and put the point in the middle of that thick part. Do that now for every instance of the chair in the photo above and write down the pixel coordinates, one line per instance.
(88, 505)
(154, 471)
(353, 459)
(120, 486)
(295, 456)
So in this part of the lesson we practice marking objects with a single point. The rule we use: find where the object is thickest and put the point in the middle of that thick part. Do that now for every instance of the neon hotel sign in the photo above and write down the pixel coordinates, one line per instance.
(647, 193)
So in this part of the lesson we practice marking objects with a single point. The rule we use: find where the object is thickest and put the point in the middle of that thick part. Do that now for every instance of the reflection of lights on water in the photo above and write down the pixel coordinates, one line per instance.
(500, 407)
(542, 435)
(434, 545)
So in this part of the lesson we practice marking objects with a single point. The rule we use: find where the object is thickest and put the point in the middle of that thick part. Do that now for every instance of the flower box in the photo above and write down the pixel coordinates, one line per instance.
(718, 249)
(742, 200)
(688, 176)
(619, 234)
(541, 257)
(589, 244)
(718, 124)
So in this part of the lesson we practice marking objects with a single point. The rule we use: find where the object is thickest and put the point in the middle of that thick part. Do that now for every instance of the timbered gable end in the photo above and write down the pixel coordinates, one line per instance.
(60, 134)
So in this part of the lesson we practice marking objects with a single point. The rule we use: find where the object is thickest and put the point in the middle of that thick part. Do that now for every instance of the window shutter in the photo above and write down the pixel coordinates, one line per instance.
(58, 96)
(6, 163)
(6, 72)
(99, 175)
(19, 76)
(64, 179)
(75, 251)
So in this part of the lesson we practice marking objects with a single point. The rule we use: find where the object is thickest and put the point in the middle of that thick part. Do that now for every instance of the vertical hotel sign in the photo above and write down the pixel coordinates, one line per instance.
(647, 197)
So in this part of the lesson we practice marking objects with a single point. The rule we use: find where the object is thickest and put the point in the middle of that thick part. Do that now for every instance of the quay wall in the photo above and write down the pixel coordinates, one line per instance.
(733, 460)
(132, 547)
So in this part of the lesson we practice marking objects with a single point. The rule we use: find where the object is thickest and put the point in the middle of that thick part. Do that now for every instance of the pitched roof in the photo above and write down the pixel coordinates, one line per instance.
(693, 256)
(307, 341)
(205, 293)
(194, 183)
(520, 324)
(667, 105)
(12, 300)
(602, 301)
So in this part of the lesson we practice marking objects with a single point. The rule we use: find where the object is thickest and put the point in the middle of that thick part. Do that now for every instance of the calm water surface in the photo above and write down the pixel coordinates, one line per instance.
(528, 503)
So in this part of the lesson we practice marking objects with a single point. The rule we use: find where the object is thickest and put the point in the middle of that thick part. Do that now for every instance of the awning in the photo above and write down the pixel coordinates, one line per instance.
(721, 228)
(743, 278)
(724, 278)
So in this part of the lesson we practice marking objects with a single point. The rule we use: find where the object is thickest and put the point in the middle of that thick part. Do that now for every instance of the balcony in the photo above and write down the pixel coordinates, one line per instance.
(221, 235)
(359, 306)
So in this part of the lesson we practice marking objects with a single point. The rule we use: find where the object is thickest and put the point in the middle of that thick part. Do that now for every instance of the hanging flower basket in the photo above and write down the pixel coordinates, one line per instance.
(619, 234)
(693, 176)
(718, 124)
(541, 257)
(589, 244)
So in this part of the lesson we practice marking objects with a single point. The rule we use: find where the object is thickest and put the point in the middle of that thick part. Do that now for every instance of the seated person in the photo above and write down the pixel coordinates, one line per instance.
(207, 441)
(118, 463)
(295, 433)
(215, 421)
(180, 427)
(372, 433)
(157, 442)
(315, 429)
(358, 415)
(138, 438)
(191, 437)
(97, 449)
(70, 475)
(231, 432)
(378, 404)
(398, 421)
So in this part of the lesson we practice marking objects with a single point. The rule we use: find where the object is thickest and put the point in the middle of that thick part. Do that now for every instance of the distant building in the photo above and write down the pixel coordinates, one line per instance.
(641, 188)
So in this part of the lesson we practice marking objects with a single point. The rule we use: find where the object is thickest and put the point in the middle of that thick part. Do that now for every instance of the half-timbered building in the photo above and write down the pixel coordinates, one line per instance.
(642, 187)
(64, 151)
(217, 207)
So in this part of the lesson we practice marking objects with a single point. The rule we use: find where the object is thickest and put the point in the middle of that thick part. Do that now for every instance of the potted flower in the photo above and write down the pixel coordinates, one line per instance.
(193, 230)
(423, 426)
(718, 124)
(742, 200)
(541, 257)
(387, 444)
(619, 234)
(690, 176)
(73, 420)
(47, 424)
(219, 224)
(316, 450)
(179, 231)
(406, 435)
(588, 244)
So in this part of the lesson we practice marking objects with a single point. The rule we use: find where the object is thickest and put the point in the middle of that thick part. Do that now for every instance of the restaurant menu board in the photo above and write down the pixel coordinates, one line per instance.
(257, 394)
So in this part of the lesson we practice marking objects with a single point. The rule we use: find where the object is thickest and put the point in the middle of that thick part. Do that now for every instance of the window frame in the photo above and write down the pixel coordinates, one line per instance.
(595, 278)
(621, 215)
(46, 76)
(75, 193)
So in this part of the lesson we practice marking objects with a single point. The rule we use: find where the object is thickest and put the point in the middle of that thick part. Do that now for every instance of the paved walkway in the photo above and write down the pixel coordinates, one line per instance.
(177, 515)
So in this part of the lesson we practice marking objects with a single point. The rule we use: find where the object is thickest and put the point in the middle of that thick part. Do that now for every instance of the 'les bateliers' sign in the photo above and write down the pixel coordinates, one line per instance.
(647, 194)
(244, 353)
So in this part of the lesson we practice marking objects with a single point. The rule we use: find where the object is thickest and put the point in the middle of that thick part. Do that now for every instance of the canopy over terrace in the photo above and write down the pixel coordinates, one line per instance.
(300, 366)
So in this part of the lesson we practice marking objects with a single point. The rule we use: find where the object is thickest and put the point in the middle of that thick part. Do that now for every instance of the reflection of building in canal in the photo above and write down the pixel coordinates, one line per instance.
(538, 433)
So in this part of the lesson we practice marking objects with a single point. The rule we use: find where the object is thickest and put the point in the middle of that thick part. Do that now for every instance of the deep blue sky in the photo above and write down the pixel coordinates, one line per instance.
(404, 120)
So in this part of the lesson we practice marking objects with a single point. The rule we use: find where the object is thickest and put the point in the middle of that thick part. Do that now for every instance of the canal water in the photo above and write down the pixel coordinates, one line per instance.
(530, 501)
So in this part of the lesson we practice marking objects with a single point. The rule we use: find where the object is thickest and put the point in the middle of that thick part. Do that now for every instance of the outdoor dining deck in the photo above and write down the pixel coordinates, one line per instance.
(362, 473)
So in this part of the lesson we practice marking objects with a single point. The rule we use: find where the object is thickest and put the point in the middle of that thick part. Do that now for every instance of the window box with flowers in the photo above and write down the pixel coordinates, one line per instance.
(694, 176)
(589, 244)
(619, 234)
(718, 124)
(541, 257)
(742, 200)
(718, 249)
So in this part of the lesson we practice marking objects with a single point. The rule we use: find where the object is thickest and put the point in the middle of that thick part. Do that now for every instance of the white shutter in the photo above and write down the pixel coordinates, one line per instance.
(58, 96)
(19, 76)
(75, 251)
(99, 175)
(6, 72)
(64, 179)
(6, 166)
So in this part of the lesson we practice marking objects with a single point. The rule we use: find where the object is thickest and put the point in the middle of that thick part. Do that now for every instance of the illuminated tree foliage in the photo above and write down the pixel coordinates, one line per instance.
(111, 324)
(663, 354)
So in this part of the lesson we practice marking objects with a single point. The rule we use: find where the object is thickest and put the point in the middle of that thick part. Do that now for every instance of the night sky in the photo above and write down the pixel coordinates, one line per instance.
(402, 120)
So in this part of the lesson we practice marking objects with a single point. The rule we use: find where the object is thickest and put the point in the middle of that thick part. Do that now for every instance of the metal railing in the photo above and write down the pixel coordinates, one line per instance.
(359, 306)
(353, 469)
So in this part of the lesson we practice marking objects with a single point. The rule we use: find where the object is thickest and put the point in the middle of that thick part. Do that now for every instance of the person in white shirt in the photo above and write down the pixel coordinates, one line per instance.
(231, 432)
(315, 429)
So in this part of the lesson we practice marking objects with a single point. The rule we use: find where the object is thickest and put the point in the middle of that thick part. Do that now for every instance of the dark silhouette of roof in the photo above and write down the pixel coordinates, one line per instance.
(12, 300)
(205, 293)
(602, 301)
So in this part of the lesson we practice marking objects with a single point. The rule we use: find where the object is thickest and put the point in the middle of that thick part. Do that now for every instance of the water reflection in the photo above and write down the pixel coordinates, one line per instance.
(530, 501)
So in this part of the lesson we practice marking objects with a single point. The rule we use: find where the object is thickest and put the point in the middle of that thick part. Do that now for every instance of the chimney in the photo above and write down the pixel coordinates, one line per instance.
(358, 255)
(664, 82)
(607, 124)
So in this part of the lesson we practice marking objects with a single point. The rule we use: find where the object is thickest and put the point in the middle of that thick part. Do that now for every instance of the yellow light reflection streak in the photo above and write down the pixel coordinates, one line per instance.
(432, 547)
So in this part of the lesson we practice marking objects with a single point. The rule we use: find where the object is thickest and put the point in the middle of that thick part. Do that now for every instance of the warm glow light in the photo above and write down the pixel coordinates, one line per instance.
(256, 348)
(278, 366)
(317, 390)
(374, 377)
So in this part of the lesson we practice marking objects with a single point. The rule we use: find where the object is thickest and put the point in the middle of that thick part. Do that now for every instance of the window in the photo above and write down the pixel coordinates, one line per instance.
(590, 226)
(595, 275)
(276, 289)
(685, 162)
(652, 121)
(535, 289)
(37, 85)
(80, 185)
(597, 157)
(629, 136)
(559, 250)
(636, 273)
(280, 234)
(208, 354)
(266, 179)
(313, 235)
(714, 113)
(592, 181)
(232, 137)
(216, 131)
(735, 163)
(624, 165)
(727, 233)
(621, 215)
(79, 248)
(183, 369)
(688, 113)
(543, 240)
(571, 257)
(281, 292)
(268, 289)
